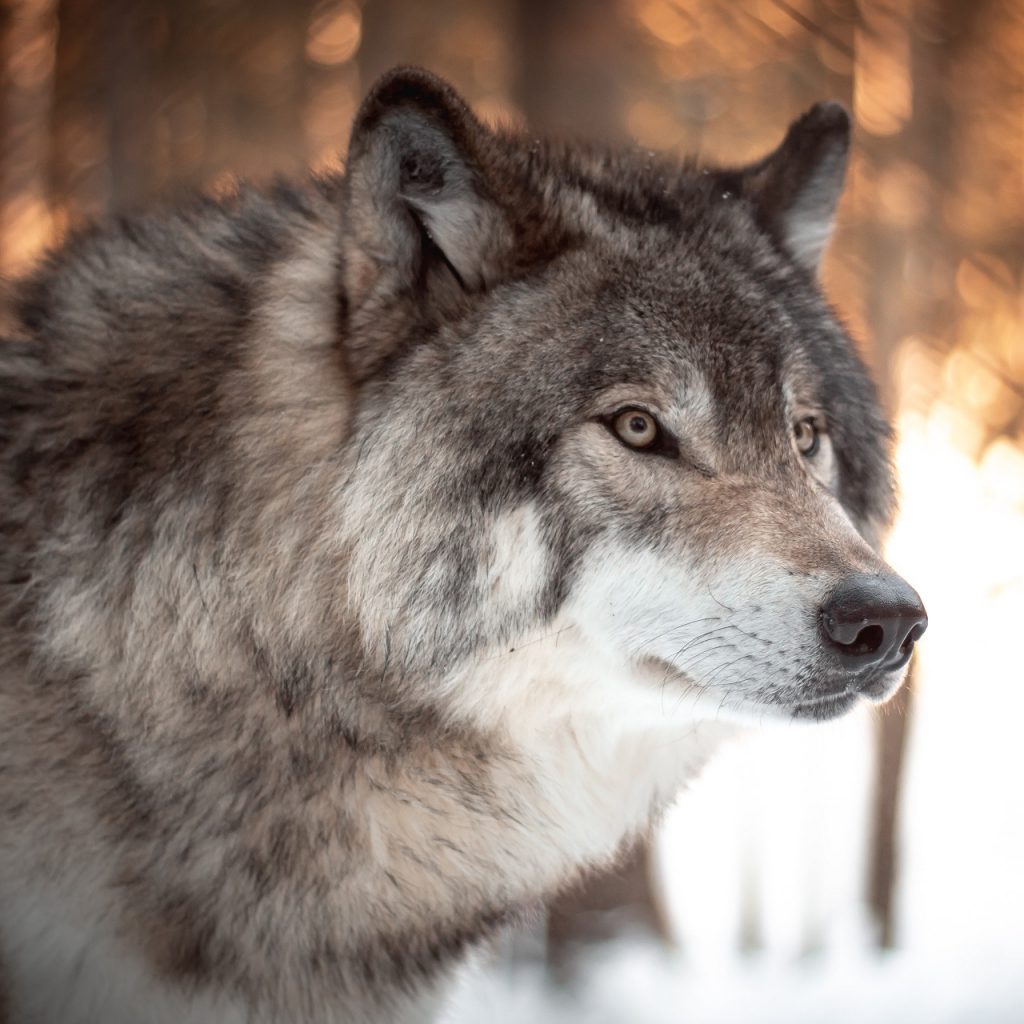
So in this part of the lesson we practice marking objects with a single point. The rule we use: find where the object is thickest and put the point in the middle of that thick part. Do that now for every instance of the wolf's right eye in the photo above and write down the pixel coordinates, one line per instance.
(807, 436)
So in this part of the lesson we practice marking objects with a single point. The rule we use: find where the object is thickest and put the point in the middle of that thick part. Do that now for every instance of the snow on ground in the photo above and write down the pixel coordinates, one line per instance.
(636, 984)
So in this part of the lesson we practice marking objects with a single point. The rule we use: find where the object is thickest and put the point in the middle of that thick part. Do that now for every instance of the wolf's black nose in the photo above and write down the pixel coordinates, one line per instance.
(872, 622)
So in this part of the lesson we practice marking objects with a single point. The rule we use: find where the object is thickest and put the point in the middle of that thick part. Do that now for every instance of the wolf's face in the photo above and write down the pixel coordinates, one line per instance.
(619, 416)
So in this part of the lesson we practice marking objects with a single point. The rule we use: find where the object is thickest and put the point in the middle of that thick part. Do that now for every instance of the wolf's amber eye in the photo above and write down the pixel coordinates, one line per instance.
(807, 437)
(636, 428)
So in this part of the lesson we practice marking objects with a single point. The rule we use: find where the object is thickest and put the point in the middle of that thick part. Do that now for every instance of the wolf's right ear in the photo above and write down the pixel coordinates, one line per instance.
(419, 221)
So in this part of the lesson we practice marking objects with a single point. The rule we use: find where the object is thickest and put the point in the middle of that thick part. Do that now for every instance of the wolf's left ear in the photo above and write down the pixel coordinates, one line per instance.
(419, 220)
(796, 188)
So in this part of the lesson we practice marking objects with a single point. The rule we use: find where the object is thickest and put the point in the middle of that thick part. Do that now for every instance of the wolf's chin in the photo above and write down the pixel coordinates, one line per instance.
(829, 702)
(875, 690)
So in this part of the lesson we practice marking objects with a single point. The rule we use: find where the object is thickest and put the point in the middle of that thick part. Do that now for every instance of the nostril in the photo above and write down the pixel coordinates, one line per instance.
(867, 641)
(860, 640)
(913, 636)
(853, 639)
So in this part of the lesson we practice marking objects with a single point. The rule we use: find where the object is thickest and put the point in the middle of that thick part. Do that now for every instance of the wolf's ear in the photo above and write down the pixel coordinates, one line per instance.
(796, 188)
(419, 218)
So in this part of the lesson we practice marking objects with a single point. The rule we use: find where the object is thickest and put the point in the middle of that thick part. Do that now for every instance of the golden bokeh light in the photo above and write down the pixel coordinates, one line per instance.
(334, 32)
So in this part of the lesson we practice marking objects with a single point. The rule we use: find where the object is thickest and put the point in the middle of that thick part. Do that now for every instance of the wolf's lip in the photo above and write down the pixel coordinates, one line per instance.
(832, 705)
(876, 687)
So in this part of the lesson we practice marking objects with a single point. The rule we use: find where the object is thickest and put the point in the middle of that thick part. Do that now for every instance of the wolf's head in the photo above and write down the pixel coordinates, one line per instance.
(603, 404)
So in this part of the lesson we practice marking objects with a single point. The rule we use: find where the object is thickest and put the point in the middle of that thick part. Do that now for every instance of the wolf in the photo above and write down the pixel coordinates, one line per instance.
(382, 551)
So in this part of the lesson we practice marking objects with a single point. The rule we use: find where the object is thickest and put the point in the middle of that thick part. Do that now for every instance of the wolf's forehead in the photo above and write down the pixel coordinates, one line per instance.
(699, 326)
(703, 342)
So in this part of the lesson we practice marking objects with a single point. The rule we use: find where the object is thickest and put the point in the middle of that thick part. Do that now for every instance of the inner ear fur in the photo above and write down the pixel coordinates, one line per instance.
(420, 220)
(796, 188)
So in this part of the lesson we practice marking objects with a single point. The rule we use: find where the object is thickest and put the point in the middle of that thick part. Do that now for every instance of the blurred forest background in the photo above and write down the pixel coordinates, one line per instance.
(903, 829)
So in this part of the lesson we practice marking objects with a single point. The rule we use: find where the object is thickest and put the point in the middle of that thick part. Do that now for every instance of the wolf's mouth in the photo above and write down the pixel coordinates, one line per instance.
(826, 707)
(878, 686)
(822, 695)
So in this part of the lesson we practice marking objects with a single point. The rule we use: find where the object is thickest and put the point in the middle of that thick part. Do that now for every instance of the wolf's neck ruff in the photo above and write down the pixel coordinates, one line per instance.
(339, 625)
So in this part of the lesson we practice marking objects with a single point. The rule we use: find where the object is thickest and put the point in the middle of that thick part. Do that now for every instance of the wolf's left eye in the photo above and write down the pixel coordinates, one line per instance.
(807, 437)
(637, 428)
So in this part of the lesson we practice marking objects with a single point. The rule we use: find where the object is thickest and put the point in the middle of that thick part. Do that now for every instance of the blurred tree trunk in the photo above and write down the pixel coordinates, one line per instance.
(255, 84)
(884, 856)
(393, 27)
(569, 66)
(610, 905)
(129, 51)
(109, 149)
(79, 179)
(172, 93)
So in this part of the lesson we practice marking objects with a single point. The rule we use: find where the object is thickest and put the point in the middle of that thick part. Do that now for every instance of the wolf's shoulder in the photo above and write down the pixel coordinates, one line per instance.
(142, 345)
(175, 274)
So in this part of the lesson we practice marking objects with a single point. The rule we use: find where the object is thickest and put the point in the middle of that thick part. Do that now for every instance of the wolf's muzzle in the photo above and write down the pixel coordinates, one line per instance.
(871, 622)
